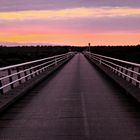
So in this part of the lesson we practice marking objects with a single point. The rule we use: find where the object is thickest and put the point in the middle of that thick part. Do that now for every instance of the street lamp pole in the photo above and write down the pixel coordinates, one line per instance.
(89, 44)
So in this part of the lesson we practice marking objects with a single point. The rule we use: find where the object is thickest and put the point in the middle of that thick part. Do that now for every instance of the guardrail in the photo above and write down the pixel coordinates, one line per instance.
(127, 70)
(12, 76)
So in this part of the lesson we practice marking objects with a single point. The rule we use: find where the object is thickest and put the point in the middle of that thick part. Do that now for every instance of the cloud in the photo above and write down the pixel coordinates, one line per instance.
(77, 25)
(93, 12)
(18, 5)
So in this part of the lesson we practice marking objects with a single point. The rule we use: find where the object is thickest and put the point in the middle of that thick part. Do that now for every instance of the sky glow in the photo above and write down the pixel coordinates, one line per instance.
(49, 22)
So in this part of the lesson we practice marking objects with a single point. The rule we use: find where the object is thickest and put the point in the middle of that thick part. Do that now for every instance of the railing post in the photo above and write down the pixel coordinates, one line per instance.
(67, 56)
(36, 73)
(18, 75)
(10, 78)
(100, 61)
(42, 67)
(25, 73)
(126, 71)
(131, 74)
(55, 61)
(39, 68)
(117, 70)
(1, 90)
(121, 70)
(138, 78)
(31, 73)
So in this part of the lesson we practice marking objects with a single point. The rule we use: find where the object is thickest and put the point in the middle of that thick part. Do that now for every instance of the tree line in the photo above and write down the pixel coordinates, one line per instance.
(15, 55)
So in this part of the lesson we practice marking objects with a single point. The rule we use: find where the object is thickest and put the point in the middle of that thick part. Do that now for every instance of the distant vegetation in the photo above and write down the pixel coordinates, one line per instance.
(15, 55)
(129, 53)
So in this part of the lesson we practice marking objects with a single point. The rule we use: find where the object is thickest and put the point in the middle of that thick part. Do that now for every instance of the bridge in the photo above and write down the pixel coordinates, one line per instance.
(73, 96)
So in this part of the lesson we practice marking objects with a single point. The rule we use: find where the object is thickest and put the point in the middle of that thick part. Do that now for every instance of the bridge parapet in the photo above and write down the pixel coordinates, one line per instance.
(128, 71)
(12, 76)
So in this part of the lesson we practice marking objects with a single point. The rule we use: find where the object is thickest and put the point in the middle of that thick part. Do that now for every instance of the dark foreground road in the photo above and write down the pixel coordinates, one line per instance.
(76, 103)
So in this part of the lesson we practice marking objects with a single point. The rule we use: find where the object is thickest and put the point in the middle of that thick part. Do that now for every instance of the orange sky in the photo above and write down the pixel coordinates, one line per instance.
(75, 39)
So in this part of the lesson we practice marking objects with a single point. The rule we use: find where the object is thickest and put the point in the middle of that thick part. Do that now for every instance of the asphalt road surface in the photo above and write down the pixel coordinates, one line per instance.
(77, 102)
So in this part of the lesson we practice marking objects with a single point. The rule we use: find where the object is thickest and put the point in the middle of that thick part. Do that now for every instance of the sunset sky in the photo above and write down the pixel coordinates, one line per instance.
(70, 22)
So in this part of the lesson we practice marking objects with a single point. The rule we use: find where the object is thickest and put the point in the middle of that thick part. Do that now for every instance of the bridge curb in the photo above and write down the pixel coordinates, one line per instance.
(14, 95)
(128, 87)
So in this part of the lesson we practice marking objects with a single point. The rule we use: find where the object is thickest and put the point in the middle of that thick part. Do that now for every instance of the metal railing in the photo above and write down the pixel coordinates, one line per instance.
(127, 70)
(12, 76)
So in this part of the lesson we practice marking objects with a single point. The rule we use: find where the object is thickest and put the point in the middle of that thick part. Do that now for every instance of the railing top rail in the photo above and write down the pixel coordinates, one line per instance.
(31, 62)
(118, 60)
(14, 81)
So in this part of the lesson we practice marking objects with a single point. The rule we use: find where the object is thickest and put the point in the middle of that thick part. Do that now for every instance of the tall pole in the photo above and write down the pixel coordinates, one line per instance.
(89, 44)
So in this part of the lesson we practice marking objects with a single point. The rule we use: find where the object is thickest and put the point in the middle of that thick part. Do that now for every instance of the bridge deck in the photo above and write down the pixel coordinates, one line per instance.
(76, 103)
